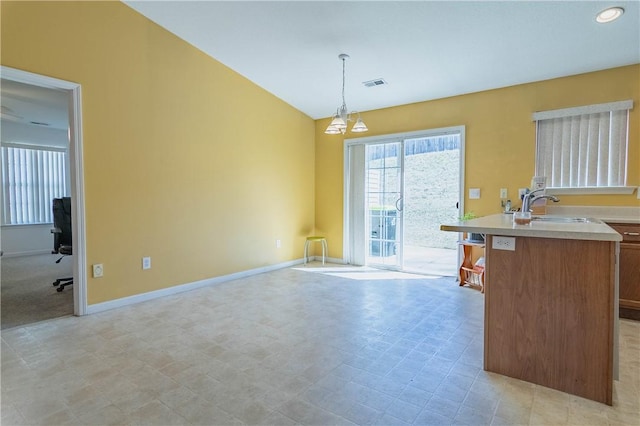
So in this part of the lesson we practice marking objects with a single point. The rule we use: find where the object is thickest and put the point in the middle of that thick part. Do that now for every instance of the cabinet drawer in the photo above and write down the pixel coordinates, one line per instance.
(630, 232)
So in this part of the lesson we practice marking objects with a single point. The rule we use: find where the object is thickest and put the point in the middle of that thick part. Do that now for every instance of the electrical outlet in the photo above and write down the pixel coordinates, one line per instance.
(146, 263)
(278, 244)
(503, 193)
(474, 193)
(98, 270)
(504, 243)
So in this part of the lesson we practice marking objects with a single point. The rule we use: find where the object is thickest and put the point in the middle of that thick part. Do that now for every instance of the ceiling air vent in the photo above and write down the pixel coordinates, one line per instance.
(374, 83)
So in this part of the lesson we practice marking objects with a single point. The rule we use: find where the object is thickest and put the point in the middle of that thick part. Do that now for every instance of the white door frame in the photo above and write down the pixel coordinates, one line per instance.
(346, 244)
(77, 175)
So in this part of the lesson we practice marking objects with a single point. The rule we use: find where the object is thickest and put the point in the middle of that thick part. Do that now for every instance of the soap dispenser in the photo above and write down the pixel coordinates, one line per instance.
(507, 206)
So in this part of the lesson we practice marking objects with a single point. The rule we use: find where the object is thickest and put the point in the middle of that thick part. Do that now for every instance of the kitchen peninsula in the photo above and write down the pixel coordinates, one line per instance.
(550, 301)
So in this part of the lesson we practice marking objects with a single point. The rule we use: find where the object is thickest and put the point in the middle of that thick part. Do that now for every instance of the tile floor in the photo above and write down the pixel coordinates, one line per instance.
(312, 346)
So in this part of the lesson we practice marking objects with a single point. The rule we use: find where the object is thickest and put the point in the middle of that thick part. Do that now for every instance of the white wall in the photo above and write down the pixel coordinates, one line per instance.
(19, 240)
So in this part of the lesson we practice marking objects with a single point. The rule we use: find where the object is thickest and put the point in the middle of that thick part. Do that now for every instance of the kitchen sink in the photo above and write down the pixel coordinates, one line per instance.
(564, 219)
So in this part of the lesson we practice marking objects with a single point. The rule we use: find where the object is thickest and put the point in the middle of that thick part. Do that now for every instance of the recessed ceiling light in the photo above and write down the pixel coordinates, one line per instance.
(609, 15)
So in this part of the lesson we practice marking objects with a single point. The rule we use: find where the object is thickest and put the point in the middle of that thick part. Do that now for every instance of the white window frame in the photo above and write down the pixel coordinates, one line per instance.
(605, 188)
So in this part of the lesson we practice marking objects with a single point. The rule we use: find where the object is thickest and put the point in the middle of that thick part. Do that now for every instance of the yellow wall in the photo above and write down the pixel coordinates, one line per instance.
(500, 140)
(189, 163)
(185, 161)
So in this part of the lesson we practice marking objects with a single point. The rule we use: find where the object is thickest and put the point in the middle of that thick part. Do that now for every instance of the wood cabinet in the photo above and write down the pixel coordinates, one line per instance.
(549, 314)
(629, 269)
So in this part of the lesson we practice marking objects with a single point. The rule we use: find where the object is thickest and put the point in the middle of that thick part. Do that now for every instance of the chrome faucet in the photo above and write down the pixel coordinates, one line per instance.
(529, 198)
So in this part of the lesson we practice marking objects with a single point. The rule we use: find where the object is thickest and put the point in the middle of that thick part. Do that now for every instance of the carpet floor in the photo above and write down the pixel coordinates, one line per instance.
(27, 295)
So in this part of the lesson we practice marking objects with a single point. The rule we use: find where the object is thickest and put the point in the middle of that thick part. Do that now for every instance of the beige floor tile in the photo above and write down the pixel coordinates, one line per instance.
(156, 413)
(513, 413)
(62, 417)
(202, 412)
(293, 346)
(10, 415)
(107, 415)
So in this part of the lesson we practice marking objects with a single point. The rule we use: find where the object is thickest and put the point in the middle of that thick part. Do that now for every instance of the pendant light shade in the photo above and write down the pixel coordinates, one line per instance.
(338, 122)
(359, 126)
(332, 130)
(343, 116)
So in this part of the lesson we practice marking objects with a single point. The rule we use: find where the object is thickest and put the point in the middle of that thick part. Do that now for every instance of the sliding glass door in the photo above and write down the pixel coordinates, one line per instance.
(398, 190)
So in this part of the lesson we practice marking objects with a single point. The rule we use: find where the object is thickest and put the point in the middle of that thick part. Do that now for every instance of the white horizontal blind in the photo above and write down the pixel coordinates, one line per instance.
(31, 179)
(586, 150)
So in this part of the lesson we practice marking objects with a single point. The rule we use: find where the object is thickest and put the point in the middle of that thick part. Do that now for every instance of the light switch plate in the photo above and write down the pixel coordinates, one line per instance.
(146, 263)
(474, 193)
(503, 193)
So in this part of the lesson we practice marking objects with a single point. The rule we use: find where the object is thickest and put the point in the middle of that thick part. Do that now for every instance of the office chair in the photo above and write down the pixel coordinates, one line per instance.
(62, 235)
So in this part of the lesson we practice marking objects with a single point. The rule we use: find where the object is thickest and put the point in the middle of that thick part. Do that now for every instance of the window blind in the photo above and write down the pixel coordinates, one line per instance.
(584, 150)
(31, 179)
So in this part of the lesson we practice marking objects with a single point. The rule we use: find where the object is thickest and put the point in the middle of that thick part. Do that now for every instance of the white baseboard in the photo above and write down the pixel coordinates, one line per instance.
(328, 260)
(25, 253)
(138, 298)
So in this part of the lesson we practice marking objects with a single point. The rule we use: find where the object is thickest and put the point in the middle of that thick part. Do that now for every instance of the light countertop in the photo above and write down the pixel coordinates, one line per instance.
(502, 224)
(604, 213)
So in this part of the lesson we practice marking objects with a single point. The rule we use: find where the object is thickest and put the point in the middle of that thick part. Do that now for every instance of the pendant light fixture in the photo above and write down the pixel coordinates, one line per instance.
(343, 116)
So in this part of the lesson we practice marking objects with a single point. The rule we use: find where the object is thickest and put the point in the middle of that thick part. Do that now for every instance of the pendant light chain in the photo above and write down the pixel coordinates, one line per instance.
(343, 116)
(344, 104)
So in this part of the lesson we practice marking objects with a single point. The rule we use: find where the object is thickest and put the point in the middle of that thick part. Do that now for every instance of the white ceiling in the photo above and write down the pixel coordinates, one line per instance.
(30, 105)
(423, 49)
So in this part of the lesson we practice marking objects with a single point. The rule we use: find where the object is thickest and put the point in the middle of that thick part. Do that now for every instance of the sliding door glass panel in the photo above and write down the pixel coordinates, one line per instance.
(431, 193)
(383, 188)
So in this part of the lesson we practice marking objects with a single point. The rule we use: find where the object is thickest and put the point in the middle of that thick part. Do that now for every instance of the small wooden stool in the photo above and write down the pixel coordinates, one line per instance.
(315, 239)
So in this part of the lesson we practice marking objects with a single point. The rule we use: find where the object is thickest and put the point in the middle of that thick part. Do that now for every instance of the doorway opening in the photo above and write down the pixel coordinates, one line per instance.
(70, 93)
(411, 184)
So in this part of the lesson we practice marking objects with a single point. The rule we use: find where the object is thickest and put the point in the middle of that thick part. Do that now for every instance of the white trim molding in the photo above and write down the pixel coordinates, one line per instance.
(25, 253)
(390, 138)
(181, 288)
(592, 190)
(582, 110)
(77, 174)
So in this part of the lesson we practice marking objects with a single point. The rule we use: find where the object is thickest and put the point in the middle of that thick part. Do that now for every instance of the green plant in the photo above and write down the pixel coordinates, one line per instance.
(468, 216)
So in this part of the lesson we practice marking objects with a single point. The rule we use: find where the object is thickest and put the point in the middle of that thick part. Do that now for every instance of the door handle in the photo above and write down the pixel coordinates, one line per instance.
(398, 203)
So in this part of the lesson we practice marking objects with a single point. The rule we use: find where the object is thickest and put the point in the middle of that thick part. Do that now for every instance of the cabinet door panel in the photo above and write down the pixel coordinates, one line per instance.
(630, 275)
